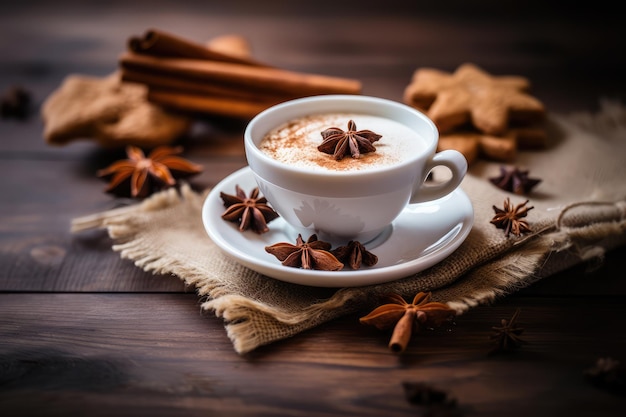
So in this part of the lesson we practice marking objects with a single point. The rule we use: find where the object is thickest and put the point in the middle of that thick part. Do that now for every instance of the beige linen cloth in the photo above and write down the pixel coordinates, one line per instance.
(579, 213)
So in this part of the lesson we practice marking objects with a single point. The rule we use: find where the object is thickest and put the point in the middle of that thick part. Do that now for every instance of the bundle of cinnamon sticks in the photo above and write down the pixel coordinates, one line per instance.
(220, 78)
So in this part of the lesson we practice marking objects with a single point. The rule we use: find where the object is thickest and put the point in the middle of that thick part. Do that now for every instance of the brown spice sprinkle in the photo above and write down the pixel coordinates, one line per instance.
(323, 159)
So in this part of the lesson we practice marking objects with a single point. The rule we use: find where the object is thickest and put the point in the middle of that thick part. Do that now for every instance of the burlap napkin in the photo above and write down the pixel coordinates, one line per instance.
(579, 213)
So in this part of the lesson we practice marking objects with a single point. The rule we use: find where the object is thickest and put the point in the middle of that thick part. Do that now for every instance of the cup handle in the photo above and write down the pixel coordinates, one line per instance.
(455, 162)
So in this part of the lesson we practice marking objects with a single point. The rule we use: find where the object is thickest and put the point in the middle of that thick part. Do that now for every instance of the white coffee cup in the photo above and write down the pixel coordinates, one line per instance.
(341, 206)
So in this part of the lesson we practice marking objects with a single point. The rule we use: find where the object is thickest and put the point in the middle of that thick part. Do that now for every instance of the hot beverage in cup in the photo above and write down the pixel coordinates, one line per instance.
(345, 166)
(296, 142)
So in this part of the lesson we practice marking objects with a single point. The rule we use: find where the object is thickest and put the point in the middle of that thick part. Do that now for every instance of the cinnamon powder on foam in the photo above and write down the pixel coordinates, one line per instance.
(295, 142)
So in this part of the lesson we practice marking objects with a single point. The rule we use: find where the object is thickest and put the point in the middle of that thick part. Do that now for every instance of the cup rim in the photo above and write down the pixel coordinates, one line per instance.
(297, 108)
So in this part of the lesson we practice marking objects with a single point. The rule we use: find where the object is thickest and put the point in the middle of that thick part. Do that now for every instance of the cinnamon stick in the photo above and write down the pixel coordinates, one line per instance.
(186, 85)
(221, 106)
(402, 331)
(243, 76)
(158, 43)
(235, 45)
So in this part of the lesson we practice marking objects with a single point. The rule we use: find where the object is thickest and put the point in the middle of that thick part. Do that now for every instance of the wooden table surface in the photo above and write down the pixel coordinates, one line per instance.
(83, 332)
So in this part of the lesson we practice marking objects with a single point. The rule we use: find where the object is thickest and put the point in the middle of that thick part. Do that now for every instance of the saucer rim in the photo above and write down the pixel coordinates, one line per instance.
(335, 279)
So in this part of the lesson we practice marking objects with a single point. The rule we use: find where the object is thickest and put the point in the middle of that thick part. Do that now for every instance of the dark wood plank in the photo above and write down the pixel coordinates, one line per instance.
(594, 278)
(548, 46)
(38, 251)
(83, 332)
(155, 353)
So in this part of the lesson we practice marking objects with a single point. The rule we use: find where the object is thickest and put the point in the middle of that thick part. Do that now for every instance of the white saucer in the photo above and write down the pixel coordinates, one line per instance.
(423, 235)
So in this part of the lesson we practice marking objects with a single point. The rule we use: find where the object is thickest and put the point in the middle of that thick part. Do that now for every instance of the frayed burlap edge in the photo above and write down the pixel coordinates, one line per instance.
(247, 321)
(505, 275)
(522, 267)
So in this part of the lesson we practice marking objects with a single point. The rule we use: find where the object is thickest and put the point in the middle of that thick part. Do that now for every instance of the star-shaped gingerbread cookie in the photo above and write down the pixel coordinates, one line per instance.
(503, 147)
(470, 95)
(112, 112)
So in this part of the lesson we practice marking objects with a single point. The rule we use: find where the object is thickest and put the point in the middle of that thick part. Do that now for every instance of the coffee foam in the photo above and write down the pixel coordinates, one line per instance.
(295, 142)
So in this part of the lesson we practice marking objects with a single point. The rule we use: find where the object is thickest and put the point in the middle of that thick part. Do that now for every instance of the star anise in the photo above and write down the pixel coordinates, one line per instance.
(510, 218)
(352, 142)
(421, 393)
(312, 254)
(506, 336)
(354, 254)
(15, 102)
(146, 174)
(514, 180)
(405, 317)
(250, 212)
(607, 374)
